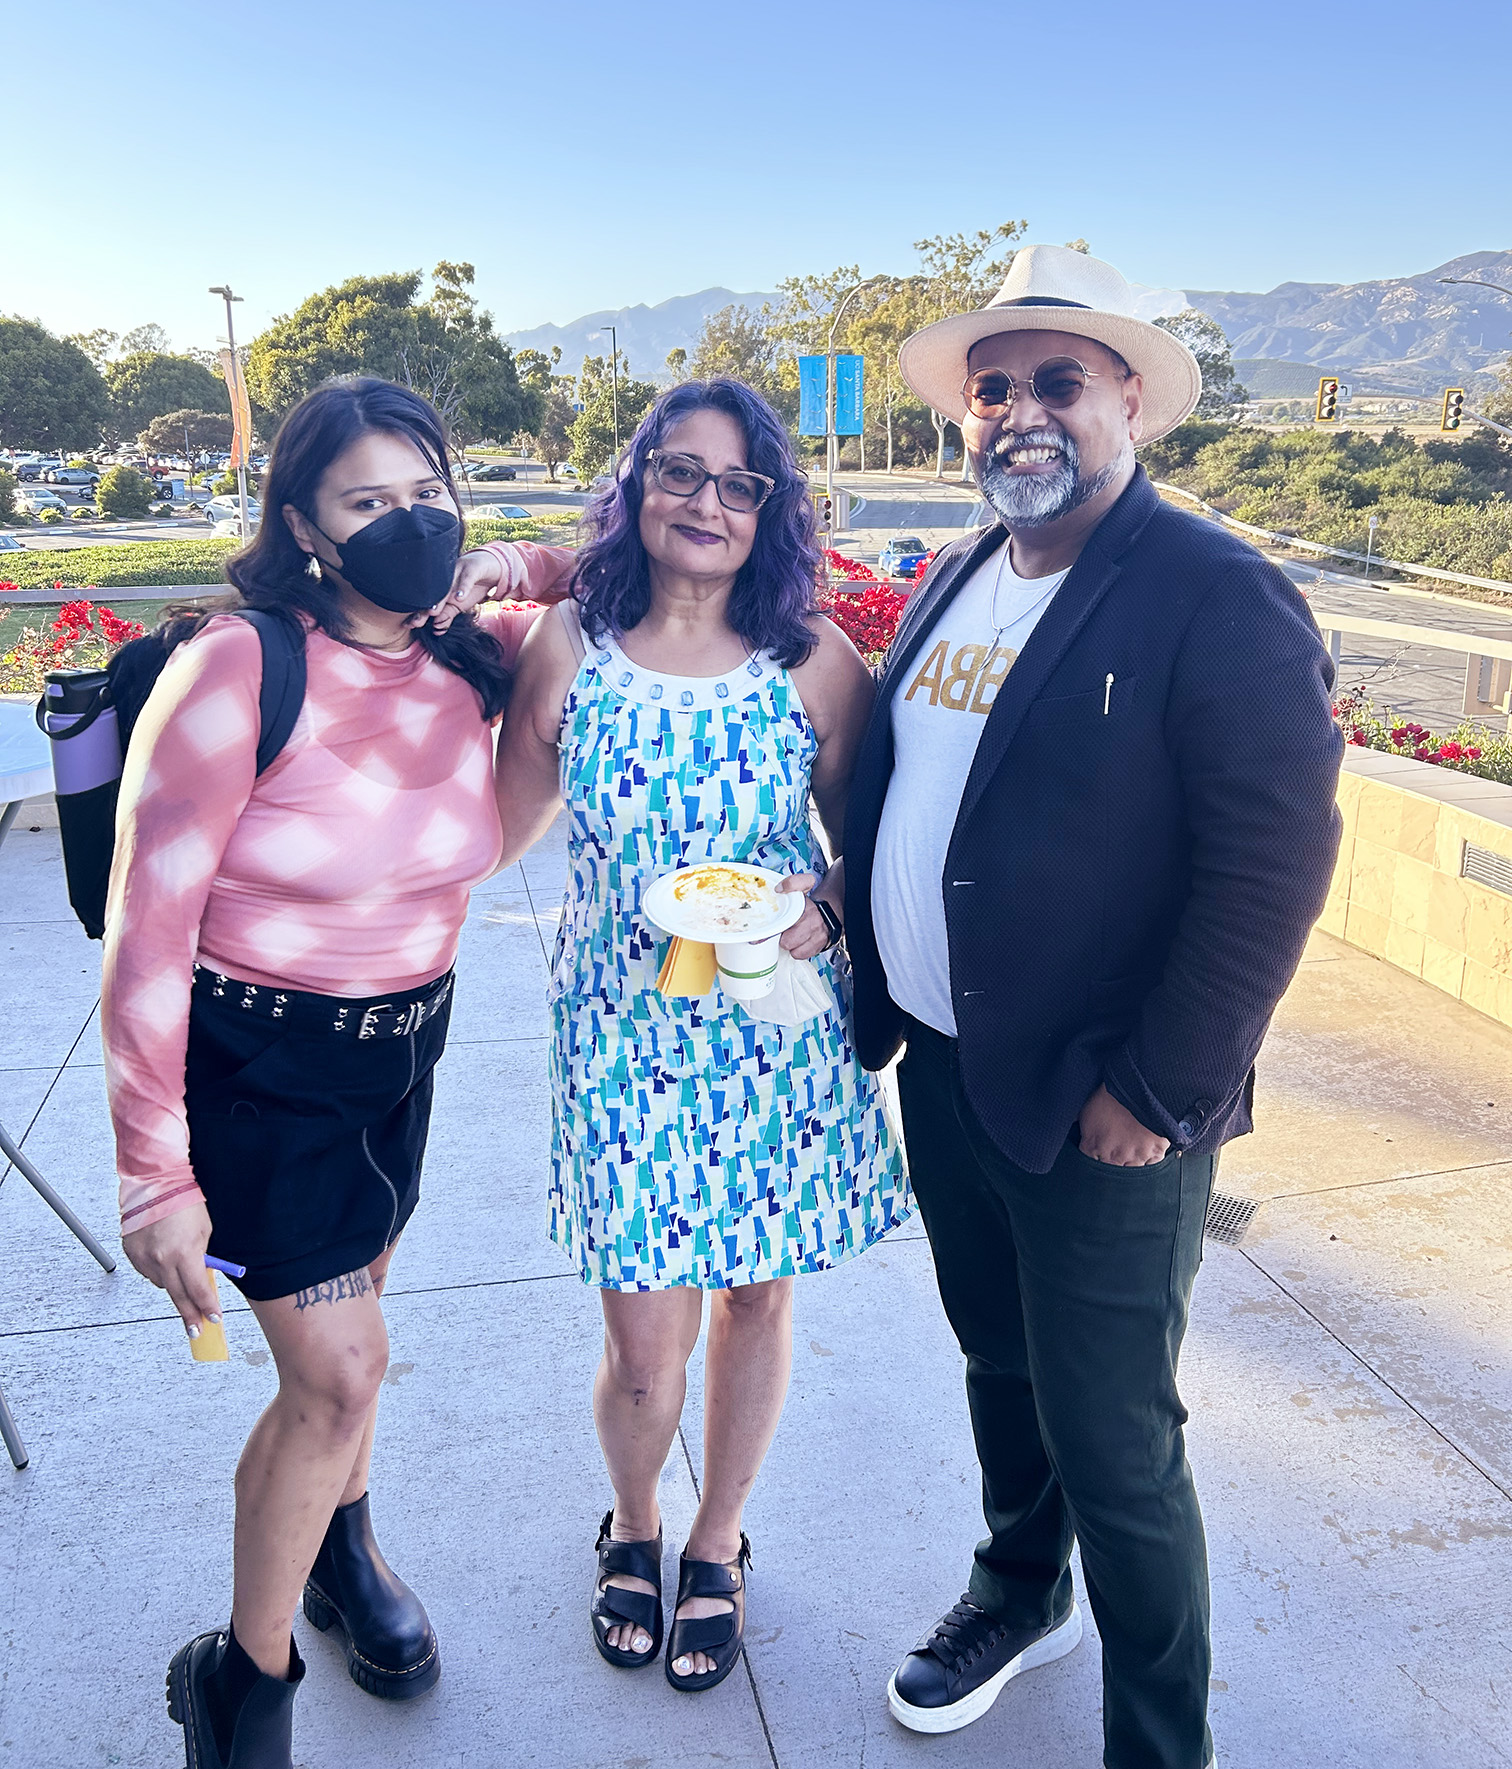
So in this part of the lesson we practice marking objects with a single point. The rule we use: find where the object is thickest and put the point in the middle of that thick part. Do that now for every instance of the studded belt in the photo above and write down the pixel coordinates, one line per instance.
(394, 1018)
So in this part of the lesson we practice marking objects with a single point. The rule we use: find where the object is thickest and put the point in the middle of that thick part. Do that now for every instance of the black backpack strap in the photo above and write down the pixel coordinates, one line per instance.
(283, 680)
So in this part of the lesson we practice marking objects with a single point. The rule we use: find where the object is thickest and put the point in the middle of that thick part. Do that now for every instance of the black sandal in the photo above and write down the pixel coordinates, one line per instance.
(614, 1606)
(718, 1637)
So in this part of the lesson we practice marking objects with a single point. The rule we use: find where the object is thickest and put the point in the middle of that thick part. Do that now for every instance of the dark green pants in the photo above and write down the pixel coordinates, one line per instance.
(1068, 1292)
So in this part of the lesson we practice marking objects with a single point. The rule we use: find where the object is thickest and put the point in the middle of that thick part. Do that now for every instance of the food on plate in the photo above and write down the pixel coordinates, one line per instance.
(724, 902)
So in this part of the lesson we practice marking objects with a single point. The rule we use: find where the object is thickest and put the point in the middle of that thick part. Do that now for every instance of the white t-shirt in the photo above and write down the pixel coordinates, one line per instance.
(938, 715)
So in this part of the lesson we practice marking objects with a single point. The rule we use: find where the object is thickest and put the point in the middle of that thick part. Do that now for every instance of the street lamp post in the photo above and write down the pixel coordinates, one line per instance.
(829, 377)
(1370, 528)
(224, 291)
(614, 385)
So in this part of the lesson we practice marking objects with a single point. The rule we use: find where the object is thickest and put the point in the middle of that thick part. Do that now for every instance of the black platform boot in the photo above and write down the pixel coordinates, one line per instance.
(260, 1736)
(390, 1646)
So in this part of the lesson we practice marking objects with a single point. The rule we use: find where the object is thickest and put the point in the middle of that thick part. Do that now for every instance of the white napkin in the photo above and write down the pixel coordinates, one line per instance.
(799, 994)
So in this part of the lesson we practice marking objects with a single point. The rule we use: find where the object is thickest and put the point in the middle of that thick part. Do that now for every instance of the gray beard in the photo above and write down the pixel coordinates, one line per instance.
(1024, 500)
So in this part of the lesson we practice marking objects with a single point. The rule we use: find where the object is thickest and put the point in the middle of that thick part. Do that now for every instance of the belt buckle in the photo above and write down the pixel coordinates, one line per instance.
(367, 1027)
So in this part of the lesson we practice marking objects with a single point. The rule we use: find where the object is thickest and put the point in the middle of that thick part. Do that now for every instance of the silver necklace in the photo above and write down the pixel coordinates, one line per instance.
(1001, 627)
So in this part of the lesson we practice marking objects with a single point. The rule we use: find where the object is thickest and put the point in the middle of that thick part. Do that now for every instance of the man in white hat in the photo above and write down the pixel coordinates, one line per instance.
(1091, 824)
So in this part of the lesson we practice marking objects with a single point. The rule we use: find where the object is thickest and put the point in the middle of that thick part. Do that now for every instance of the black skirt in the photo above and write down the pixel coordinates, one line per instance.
(307, 1123)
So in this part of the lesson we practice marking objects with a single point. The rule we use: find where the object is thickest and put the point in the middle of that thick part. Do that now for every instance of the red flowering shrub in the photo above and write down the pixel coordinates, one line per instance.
(851, 569)
(80, 636)
(1467, 749)
(868, 620)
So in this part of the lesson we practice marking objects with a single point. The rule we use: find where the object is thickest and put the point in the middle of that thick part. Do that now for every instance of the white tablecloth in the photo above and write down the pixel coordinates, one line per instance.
(25, 755)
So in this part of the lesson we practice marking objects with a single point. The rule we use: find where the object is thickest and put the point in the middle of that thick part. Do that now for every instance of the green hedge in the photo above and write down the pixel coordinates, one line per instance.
(558, 529)
(200, 562)
(145, 562)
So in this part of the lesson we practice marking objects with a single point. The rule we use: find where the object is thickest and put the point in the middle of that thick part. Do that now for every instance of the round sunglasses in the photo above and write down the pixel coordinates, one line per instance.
(683, 477)
(1057, 383)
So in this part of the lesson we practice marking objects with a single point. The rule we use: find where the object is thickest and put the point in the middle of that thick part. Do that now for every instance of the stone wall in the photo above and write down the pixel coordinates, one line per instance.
(1399, 889)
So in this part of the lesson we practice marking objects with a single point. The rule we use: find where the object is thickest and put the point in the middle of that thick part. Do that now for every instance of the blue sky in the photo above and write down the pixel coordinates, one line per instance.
(587, 155)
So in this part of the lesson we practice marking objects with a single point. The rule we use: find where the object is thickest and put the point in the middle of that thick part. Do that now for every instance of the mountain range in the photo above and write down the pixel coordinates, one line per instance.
(1410, 334)
(645, 334)
(1407, 334)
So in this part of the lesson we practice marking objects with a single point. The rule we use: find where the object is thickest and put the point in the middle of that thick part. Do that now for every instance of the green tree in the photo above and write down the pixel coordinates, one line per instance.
(124, 492)
(896, 421)
(462, 366)
(740, 344)
(1205, 338)
(96, 345)
(550, 435)
(51, 394)
(677, 364)
(146, 384)
(356, 327)
(443, 348)
(592, 429)
(1498, 405)
(7, 495)
(150, 337)
(191, 432)
(965, 270)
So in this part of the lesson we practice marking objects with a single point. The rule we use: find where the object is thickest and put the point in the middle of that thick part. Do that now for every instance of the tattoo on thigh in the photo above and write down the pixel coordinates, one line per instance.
(353, 1284)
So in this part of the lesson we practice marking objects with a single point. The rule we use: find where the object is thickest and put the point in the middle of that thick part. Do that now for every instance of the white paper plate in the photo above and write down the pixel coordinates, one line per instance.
(663, 908)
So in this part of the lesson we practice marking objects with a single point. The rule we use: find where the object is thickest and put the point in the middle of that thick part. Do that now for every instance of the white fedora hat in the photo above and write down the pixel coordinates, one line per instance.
(1053, 289)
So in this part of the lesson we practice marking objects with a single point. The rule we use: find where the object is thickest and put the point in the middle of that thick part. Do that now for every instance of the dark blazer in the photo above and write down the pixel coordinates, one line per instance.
(1127, 893)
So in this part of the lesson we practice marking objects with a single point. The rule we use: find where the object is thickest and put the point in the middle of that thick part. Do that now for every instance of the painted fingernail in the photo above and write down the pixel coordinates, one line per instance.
(193, 1332)
(214, 1319)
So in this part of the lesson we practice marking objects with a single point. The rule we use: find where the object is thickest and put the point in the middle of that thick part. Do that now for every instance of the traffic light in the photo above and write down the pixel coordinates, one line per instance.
(1328, 400)
(1454, 404)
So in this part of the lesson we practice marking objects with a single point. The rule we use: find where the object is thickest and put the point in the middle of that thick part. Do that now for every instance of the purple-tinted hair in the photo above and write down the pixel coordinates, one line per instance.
(775, 597)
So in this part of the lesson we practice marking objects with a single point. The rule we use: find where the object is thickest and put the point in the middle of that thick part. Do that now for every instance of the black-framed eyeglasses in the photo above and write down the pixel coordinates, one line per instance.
(683, 477)
(1057, 383)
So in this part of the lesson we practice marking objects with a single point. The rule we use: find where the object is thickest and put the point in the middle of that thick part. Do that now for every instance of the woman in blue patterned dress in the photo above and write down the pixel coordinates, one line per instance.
(694, 1147)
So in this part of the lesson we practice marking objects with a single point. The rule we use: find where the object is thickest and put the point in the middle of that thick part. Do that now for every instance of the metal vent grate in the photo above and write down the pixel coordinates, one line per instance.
(1487, 868)
(1228, 1218)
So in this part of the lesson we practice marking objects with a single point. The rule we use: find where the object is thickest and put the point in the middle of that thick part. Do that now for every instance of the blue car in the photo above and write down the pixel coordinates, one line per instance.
(901, 556)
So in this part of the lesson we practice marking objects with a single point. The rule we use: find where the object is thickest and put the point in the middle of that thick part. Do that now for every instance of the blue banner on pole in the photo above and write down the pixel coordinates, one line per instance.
(813, 397)
(848, 378)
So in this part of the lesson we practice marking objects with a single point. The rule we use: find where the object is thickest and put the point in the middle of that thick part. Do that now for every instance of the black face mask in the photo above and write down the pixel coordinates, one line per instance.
(405, 561)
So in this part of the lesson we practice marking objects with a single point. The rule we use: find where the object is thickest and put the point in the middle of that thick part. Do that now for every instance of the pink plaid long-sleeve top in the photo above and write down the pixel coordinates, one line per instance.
(345, 869)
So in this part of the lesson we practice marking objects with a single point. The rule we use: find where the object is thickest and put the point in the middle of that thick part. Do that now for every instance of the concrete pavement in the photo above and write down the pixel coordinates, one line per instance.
(1347, 1372)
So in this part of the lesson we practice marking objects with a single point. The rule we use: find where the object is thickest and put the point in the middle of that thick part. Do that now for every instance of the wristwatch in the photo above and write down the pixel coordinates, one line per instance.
(831, 921)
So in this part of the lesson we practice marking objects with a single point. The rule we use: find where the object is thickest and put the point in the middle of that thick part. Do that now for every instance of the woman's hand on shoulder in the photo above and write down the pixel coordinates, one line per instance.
(478, 574)
(171, 1254)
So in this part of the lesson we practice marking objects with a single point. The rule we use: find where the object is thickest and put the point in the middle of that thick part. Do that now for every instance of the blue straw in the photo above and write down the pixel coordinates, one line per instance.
(225, 1265)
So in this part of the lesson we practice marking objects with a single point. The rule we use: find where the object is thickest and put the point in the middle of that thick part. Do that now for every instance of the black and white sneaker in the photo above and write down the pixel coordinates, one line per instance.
(959, 1669)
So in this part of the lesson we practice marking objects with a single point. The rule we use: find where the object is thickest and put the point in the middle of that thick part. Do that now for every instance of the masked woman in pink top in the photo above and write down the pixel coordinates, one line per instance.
(278, 972)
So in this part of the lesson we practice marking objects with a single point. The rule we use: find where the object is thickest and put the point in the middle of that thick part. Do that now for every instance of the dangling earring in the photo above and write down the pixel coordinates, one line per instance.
(313, 568)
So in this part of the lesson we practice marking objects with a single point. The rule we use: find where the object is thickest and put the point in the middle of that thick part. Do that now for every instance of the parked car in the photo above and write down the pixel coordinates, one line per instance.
(9, 544)
(34, 499)
(71, 476)
(228, 509)
(32, 468)
(491, 470)
(497, 513)
(901, 556)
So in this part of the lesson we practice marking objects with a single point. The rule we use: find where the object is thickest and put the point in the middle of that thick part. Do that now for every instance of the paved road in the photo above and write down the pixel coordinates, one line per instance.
(1415, 681)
